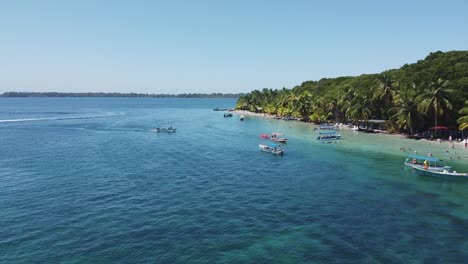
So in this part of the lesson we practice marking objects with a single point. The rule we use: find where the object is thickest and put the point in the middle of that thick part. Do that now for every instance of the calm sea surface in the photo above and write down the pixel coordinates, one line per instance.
(85, 180)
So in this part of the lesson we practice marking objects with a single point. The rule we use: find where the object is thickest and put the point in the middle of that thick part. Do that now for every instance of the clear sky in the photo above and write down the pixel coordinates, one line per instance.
(175, 46)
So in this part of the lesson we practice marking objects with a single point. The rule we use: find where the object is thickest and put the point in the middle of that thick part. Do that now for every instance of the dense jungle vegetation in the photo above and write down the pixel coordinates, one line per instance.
(431, 92)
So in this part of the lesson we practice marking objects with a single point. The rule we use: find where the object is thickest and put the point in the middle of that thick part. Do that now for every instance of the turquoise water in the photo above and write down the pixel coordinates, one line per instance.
(85, 180)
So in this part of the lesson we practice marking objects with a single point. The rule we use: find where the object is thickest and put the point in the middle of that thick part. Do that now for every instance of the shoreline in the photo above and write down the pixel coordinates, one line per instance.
(397, 144)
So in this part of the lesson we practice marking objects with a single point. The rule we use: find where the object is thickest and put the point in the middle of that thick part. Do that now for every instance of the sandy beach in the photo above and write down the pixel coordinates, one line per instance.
(397, 144)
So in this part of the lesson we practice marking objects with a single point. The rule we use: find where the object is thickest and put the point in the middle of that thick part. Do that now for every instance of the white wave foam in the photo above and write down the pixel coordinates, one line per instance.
(58, 118)
(23, 120)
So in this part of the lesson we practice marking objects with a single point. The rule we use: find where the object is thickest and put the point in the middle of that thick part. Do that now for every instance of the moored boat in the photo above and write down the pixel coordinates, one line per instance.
(327, 127)
(421, 162)
(447, 172)
(242, 117)
(272, 148)
(227, 114)
(329, 135)
(220, 109)
(288, 118)
(276, 137)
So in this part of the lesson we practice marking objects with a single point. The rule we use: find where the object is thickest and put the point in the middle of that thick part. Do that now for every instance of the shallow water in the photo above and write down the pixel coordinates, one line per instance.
(85, 180)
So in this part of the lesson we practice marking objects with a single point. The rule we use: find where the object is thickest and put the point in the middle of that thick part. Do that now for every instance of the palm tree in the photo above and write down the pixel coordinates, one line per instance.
(463, 121)
(346, 97)
(359, 110)
(405, 113)
(284, 102)
(332, 106)
(384, 92)
(436, 98)
(254, 100)
(303, 104)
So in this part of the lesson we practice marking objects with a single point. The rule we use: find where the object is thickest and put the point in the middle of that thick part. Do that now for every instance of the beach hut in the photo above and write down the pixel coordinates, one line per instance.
(440, 129)
(378, 125)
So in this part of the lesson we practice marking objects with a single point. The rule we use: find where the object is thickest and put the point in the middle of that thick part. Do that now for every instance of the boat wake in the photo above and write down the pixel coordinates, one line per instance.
(59, 118)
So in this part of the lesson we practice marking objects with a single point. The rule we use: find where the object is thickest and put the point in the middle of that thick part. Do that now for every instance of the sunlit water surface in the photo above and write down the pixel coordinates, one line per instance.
(85, 180)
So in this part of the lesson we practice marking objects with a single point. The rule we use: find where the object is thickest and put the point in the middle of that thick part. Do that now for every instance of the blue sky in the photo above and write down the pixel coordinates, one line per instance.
(215, 46)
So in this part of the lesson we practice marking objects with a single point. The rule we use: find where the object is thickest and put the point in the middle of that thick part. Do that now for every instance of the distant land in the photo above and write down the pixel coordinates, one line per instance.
(58, 94)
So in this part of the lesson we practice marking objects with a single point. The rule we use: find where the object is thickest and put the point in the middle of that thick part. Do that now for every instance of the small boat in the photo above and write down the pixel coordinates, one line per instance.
(329, 135)
(272, 148)
(326, 127)
(444, 173)
(242, 117)
(227, 114)
(417, 162)
(220, 109)
(166, 129)
(276, 138)
(288, 118)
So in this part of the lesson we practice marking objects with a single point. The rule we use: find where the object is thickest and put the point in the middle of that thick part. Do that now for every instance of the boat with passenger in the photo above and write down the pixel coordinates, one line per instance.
(275, 136)
(227, 114)
(272, 148)
(427, 163)
(166, 129)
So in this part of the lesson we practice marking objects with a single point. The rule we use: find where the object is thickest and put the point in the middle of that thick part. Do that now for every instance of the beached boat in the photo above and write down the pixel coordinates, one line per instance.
(272, 148)
(329, 135)
(227, 114)
(220, 109)
(288, 118)
(432, 164)
(276, 137)
(242, 117)
(166, 129)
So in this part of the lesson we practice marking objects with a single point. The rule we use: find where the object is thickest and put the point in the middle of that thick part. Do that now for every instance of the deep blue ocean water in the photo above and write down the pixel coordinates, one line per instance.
(85, 180)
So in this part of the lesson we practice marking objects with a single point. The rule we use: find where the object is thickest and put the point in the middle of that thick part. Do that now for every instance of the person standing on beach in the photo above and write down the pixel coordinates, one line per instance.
(466, 142)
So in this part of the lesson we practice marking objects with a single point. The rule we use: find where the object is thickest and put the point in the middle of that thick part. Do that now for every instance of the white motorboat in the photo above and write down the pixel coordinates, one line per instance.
(272, 148)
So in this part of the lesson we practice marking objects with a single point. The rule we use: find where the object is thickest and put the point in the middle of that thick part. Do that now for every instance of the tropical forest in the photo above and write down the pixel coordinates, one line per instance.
(416, 97)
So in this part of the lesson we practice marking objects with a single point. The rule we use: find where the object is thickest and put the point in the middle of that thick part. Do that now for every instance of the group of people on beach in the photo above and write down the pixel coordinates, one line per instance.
(446, 151)
(458, 140)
